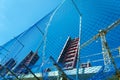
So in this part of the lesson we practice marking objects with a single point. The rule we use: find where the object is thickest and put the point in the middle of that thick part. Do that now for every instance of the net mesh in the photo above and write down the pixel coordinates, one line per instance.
(96, 15)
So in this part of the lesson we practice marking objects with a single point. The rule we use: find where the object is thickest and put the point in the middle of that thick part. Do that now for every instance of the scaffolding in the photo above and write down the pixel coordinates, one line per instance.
(68, 65)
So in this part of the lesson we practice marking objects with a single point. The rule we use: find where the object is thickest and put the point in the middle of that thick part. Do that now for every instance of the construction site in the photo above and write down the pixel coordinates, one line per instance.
(78, 40)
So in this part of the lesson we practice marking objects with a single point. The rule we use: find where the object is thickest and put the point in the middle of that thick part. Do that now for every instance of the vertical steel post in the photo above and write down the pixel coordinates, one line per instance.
(80, 32)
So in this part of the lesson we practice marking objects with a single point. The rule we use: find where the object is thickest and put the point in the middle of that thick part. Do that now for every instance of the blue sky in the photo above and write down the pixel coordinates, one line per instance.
(18, 15)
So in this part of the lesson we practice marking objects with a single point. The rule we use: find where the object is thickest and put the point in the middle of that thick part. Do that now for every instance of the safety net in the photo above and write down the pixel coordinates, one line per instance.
(38, 49)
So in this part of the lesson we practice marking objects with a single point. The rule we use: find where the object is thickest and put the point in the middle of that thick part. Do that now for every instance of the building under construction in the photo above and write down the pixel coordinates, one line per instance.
(78, 40)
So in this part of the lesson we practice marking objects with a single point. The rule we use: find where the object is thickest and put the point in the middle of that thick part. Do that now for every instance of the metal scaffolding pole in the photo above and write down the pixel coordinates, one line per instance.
(62, 74)
(46, 30)
(3, 77)
(11, 72)
(31, 72)
(80, 32)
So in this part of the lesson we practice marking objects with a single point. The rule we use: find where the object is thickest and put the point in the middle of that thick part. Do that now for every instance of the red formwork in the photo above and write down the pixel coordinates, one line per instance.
(68, 56)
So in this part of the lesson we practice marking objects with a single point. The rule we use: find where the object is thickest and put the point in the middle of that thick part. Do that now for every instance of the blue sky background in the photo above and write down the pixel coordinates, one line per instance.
(18, 15)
